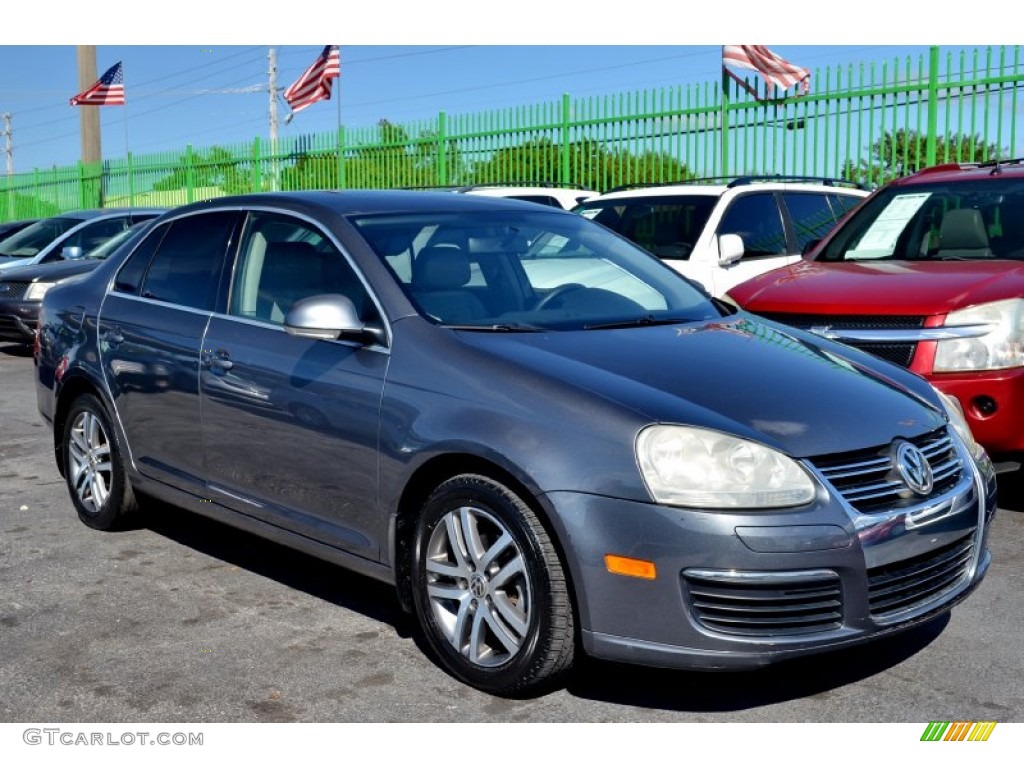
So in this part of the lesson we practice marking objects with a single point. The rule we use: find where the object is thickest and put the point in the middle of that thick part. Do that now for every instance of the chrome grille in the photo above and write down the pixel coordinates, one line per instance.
(847, 322)
(868, 480)
(909, 583)
(13, 290)
(899, 352)
(797, 606)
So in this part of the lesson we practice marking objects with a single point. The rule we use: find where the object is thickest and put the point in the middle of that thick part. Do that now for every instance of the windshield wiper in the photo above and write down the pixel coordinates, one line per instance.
(635, 322)
(496, 328)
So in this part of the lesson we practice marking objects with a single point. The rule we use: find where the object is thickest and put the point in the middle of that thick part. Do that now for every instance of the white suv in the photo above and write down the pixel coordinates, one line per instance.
(543, 192)
(721, 234)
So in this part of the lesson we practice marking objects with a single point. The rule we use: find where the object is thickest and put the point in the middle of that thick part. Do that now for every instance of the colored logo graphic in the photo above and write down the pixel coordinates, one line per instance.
(958, 731)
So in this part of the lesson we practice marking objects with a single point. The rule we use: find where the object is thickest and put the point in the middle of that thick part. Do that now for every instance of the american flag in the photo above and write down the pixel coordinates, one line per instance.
(315, 83)
(770, 66)
(107, 91)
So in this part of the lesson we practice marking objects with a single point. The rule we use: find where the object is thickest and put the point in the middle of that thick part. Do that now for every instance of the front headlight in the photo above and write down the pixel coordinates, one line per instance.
(36, 291)
(1001, 346)
(691, 467)
(957, 420)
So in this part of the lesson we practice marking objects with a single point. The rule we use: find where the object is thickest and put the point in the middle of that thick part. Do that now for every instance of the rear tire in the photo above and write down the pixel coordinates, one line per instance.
(489, 589)
(94, 467)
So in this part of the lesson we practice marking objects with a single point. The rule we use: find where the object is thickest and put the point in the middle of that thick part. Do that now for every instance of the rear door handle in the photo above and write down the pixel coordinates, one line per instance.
(113, 337)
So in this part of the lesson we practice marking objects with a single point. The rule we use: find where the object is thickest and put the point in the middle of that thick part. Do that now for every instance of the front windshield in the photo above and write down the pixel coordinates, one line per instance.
(666, 225)
(33, 238)
(106, 248)
(502, 270)
(952, 221)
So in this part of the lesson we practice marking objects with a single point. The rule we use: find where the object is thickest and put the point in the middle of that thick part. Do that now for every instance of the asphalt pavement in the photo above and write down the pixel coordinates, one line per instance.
(188, 620)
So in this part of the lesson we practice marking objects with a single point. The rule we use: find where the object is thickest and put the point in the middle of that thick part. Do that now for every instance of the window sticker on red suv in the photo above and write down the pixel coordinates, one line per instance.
(879, 241)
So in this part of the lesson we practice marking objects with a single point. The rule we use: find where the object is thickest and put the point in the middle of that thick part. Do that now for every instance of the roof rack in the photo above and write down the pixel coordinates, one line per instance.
(739, 181)
(484, 185)
(548, 184)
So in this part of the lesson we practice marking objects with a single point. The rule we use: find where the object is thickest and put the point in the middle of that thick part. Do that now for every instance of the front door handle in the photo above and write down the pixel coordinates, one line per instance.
(219, 361)
(113, 337)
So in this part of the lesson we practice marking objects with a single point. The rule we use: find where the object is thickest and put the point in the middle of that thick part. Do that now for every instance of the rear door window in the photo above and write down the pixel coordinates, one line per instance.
(812, 215)
(188, 263)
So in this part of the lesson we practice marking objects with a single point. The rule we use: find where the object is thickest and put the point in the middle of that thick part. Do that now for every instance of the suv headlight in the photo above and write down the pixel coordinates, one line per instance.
(691, 467)
(1001, 346)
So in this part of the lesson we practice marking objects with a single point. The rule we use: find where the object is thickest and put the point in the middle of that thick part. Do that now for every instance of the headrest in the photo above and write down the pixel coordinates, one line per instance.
(440, 267)
(963, 228)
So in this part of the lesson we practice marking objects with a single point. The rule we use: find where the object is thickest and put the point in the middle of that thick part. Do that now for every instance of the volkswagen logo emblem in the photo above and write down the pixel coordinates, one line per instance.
(914, 468)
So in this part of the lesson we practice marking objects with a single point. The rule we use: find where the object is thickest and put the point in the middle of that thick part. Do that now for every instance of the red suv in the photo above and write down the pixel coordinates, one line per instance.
(927, 273)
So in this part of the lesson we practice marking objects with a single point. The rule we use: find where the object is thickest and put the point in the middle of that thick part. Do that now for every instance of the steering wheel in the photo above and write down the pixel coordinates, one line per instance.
(557, 293)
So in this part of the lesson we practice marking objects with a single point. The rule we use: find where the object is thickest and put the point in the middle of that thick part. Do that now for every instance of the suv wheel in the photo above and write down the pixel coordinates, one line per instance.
(489, 588)
(93, 467)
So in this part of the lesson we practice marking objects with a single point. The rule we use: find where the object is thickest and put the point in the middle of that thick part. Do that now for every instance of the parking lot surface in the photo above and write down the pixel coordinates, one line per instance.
(187, 620)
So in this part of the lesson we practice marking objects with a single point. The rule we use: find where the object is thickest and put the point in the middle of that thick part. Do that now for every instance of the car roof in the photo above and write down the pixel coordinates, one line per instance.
(95, 213)
(941, 174)
(362, 201)
(703, 187)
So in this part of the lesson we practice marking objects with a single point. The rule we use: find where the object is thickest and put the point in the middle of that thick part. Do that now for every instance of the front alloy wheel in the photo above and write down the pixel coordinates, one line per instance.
(489, 588)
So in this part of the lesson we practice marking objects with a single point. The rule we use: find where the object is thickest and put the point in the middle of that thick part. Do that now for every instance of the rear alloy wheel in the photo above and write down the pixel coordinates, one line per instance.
(93, 467)
(489, 588)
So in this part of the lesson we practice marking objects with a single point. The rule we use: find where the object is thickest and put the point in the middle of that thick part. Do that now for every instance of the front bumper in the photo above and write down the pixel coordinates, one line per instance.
(742, 590)
(993, 402)
(18, 320)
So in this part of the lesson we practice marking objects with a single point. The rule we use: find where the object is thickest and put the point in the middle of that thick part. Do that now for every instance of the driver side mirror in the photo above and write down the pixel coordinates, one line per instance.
(730, 249)
(71, 252)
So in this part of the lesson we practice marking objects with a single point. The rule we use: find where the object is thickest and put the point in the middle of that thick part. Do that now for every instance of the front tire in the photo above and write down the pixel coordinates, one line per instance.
(489, 588)
(94, 467)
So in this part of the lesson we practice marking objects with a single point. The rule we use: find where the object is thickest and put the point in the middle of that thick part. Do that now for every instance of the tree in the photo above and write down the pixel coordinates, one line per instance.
(215, 168)
(905, 152)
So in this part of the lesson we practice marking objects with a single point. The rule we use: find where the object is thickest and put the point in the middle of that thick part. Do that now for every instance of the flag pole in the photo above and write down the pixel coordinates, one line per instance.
(128, 154)
(340, 181)
(724, 121)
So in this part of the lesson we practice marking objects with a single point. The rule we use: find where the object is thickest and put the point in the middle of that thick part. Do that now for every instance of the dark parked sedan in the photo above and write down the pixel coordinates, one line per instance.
(22, 288)
(546, 439)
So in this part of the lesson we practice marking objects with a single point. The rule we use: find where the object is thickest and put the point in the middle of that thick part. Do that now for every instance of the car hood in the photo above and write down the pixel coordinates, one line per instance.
(10, 262)
(54, 270)
(794, 391)
(883, 287)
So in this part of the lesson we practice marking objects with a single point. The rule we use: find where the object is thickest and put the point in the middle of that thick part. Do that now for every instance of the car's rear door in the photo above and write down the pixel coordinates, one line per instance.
(150, 331)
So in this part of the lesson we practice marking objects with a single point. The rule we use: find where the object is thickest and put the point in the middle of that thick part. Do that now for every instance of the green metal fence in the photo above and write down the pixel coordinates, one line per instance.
(868, 123)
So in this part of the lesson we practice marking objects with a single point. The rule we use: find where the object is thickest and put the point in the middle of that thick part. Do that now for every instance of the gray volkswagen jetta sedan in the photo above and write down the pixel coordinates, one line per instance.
(549, 442)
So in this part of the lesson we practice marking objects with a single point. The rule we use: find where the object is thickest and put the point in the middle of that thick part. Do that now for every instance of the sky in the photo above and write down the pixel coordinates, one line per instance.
(405, 64)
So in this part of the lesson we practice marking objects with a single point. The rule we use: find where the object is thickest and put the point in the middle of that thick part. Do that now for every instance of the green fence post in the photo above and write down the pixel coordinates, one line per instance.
(723, 124)
(131, 183)
(81, 186)
(190, 196)
(255, 180)
(933, 105)
(563, 169)
(341, 157)
(442, 148)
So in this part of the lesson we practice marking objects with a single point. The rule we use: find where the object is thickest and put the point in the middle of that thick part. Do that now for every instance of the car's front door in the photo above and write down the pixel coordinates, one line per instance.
(754, 216)
(290, 424)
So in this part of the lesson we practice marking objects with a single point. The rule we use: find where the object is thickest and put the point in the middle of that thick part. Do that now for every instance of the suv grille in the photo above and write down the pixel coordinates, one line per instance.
(912, 582)
(899, 352)
(789, 604)
(868, 480)
(13, 290)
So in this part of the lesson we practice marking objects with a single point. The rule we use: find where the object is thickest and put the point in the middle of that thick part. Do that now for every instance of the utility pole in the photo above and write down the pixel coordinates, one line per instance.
(272, 56)
(9, 154)
(89, 123)
(8, 146)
